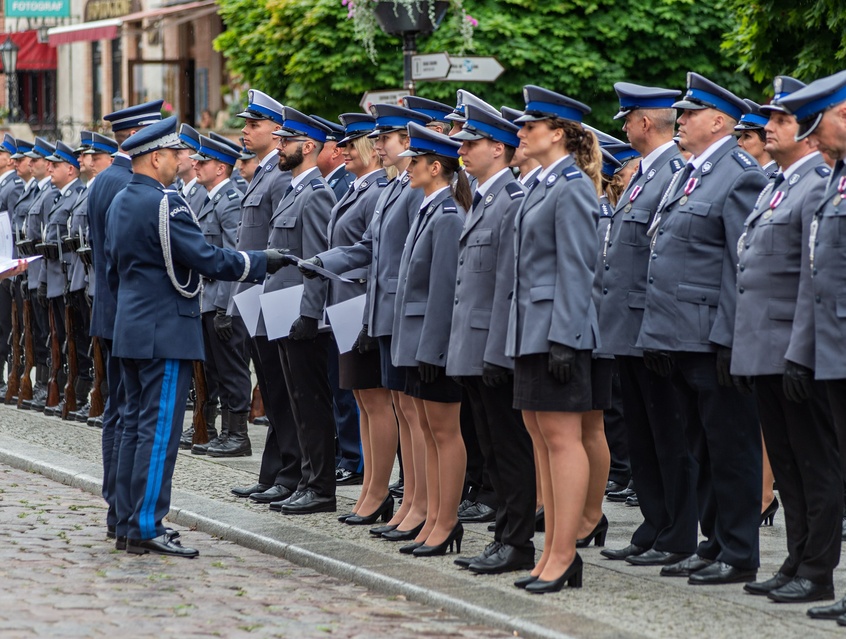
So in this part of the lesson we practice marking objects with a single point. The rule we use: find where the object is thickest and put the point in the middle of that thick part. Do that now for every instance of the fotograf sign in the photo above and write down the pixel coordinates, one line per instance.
(37, 8)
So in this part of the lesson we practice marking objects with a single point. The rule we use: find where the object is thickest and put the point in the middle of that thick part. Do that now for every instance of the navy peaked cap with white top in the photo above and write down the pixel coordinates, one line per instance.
(41, 149)
(222, 139)
(190, 136)
(136, 116)
(161, 135)
(356, 125)
(754, 120)
(8, 145)
(463, 98)
(261, 106)
(23, 147)
(783, 85)
(483, 124)
(299, 124)
(213, 150)
(101, 144)
(390, 117)
(811, 102)
(423, 141)
(435, 110)
(63, 153)
(704, 94)
(634, 96)
(336, 131)
(542, 104)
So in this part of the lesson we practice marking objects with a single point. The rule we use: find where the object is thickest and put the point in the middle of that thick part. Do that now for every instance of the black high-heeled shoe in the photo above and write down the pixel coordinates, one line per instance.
(454, 537)
(410, 548)
(572, 577)
(378, 530)
(343, 518)
(597, 533)
(403, 535)
(769, 513)
(522, 582)
(385, 511)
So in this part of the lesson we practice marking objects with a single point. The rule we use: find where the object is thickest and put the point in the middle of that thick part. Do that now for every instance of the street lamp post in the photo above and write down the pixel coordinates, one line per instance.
(9, 56)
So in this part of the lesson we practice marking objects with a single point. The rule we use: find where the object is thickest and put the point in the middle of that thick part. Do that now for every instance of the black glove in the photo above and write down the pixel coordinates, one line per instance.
(276, 259)
(659, 362)
(428, 372)
(303, 328)
(41, 294)
(307, 273)
(493, 375)
(223, 325)
(724, 367)
(743, 384)
(364, 343)
(562, 360)
(797, 382)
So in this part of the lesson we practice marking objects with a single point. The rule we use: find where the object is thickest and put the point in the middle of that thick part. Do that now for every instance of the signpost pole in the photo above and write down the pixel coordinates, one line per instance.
(409, 49)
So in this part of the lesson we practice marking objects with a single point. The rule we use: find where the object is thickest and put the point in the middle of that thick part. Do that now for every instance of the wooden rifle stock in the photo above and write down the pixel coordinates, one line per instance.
(73, 365)
(98, 403)
(25, 387)
(201, 430)
(13, 378)
(256, 405)
(55, 361)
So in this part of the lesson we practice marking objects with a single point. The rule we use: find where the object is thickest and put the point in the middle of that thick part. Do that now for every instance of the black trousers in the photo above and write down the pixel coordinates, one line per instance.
(802, 447)
(725, 440)
(40, 329)
(5, 321)
(305, 366)
(477, 482)
(662, 468)
(281, 461)
(226, 366)
(81, 318)
(507, 450)
(616, 434)
(345, 412)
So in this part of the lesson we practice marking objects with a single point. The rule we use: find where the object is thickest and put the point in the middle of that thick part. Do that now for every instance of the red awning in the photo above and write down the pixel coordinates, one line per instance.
(85, 32)
(33, 55)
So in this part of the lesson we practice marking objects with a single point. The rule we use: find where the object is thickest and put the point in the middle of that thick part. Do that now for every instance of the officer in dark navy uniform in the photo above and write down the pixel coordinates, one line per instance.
(155, 250)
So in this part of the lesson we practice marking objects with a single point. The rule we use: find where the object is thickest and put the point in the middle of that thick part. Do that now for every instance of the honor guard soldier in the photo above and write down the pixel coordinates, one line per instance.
(11, 186)
(752, 139)
(226, 365)
(688, 328)
(435, 110)
(155, 250)
(799, 435)
(820, 109)
(476, 354)
(192, 192)
(299, 226)
(280, 471)
(110, 182)
(662, 469)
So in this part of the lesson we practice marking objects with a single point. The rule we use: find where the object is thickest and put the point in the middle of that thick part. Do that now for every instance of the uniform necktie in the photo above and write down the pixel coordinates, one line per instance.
(779, 178)
(206, 200)
(477, 197)
(288, 190)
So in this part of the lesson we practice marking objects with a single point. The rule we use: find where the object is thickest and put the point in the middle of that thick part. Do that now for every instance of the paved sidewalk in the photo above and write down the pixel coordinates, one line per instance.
(618, 600)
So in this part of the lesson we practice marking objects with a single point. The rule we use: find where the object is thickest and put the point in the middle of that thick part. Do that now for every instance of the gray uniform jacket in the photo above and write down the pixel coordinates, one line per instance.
(78, 222)
(690, 291)
(771, 252)
(264, 194)
(195, 196)
(339, 181)
(555, 247)
(425, 294)
(36, 218)
(219, 222)
(484, 281)
(380, 248)
(624, 256)
(299, 225)
(11, 188)
(55, 272)
(19, 211)
(823, 294)
(349, 220)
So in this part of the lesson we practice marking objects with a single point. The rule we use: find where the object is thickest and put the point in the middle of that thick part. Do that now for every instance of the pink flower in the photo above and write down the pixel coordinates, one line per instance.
(167, 106)
(472, 21)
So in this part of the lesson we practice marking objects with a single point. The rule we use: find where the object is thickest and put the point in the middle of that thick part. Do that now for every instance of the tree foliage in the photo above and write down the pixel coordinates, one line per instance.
(802, 38)
(303, 52)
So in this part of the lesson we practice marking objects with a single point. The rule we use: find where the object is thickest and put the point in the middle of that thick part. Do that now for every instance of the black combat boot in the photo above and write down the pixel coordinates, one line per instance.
(237, 444)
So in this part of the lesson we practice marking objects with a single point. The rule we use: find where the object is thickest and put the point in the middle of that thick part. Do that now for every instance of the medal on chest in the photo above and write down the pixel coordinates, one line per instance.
(841, 187)
(632, 197)
(776, 199)
(691, 185)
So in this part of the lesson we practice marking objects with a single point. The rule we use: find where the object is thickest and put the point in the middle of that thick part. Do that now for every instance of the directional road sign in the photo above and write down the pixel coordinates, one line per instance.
(474, 69)
(387, 96)
(433, 66)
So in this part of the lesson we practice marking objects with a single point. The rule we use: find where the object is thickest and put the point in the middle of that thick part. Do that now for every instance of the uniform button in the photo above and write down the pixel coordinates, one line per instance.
(579, 336)
(661, 232)
(818, 300)
(654, 256)
(461, 261)
(747, 246)
(457, 282)
(605, 291)
(742, 268)
(651, 279)
(740, 290)
(607, 266)
(815, 270)
(456, 301)
(703, 298)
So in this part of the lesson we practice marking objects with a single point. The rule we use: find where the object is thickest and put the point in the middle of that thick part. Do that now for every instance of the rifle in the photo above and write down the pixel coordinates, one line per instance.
(98, 404)
(73, 366)
(25, 388)
(201, 431)
(55, 361)
(15, 365)
(256, 405)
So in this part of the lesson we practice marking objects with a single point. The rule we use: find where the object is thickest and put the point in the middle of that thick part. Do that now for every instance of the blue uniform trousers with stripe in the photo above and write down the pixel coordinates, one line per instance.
(156, 391)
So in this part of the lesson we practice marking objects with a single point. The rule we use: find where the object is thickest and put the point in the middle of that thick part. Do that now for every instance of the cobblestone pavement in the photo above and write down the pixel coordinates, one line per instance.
(61, 578)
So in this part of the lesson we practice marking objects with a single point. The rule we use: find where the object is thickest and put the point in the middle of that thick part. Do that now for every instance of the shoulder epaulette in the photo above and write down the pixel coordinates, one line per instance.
(676, 164)
(18, 181)
(316, 184)
(823, 170)
(605, 210)
(382, 182)
(514, 190)
(449, 206)
(572, 173)
(744, 159)
(233, 193)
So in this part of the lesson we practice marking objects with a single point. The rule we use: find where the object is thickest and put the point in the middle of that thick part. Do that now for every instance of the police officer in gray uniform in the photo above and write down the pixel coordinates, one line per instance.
(192, 191)
(688, 329)
(662, 469)
(801, 442)
(11, 186)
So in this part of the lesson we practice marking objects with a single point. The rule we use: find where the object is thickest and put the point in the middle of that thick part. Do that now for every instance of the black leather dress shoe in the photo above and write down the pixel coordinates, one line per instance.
(801, 590)
(506, 559)
(162, 545)
(120, 543)
(720, 572)
(621, 495)
(632, 501)
(763, 587)
(310, 503)
(344, 477)
(294, 496)
(250, 490)
(277, 492)
(629, 551)
(397, 489)
(686, 567)
(654, 557)
(614, 487)
(489, 550)
(110, 532)
(832, 611)
(476, 513)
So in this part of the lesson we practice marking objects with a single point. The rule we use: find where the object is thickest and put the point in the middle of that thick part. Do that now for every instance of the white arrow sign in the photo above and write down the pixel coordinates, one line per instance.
(433, 66)
(474, 69)
(388, 96)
